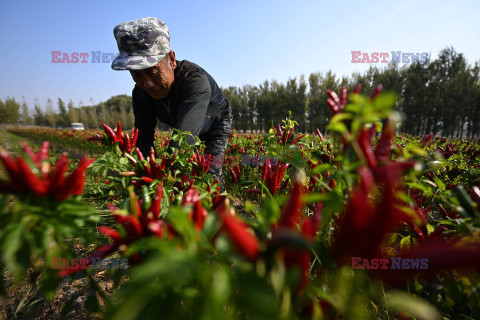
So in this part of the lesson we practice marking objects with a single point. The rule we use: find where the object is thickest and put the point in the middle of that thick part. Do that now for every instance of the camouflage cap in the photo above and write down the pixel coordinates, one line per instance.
(142, 43)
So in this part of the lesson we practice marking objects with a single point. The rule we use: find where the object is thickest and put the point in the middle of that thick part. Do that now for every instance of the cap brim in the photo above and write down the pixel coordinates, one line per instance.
(126, 62)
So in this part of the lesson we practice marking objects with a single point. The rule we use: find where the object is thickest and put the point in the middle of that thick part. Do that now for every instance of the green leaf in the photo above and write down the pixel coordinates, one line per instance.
(337, 127)
(415, 306)
(406, 242)
(384, 101)
(16, 253)
(439, 183)
(313, 197)
(466, 202)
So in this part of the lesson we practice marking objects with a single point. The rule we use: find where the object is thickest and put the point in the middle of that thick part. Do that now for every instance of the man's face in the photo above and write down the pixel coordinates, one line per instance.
(157, 80)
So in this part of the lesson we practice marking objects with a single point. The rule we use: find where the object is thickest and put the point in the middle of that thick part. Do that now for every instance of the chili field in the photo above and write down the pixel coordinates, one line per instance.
(358, 222)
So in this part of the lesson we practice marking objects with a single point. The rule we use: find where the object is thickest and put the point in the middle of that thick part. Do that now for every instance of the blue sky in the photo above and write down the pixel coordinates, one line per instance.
(237, 42)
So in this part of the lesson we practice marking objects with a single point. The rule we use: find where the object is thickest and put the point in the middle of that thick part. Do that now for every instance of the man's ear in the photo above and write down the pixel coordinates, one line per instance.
(173, 62)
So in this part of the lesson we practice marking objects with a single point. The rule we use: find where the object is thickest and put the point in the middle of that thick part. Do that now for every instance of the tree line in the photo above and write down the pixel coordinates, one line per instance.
(439, 97)
(117, 108)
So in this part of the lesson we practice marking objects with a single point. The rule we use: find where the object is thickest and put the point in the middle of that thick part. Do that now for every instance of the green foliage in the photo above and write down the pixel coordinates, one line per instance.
(9, 111)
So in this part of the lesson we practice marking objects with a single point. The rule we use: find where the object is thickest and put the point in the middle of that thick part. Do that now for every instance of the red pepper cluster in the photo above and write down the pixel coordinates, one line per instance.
(199, 213)
(244, 240)
(248, 245)
(142, 223)
(469, 149)
(272, 176)
(235, 172)
(125, 142)
(365, 223)
(201, 163)
(375, 210)
(185, 183)
(285, 136)
(448, 151)
(148, 170)
(32, 174)
(337, 104)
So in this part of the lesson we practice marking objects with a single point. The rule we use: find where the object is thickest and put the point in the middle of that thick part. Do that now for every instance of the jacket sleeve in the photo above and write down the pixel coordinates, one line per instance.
(145, 120)
(192, 109)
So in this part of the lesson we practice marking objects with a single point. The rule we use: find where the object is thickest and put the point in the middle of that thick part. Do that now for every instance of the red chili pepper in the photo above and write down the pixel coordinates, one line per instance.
(131, 225)
(357, 88)
(148, 171)
(233, 174)
(290, 134)
(331, 183)
(128, 146)
(156, 202)
(137, 184)
(119, 132)
(291, 213)
(109, 132)
(139, 154)
(135, 204)
(13, 171)
(384, 145)
(333, 106)
(43, 152)
(280, 172)
(376, 91)
(333, 96)
(245, 242)
(75, 182)
(156, 228)
(33, 182)
(364, 143)
(111, 233)
(198, 215)
(343, 96)
(147, 180)
(79, 173)
(298, 138)
(135, 138)
(57, 175)
(284, 136)
(30, 153)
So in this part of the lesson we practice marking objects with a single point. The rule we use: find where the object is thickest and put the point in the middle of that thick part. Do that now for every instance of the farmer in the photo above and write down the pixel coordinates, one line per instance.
(178, 93)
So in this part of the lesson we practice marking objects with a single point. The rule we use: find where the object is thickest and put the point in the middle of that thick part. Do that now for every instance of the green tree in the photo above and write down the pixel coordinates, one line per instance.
(9, 111)
(25, 114)
(264, 106)
(72, 111)
(38, 115)
(64, 116)
(50, 114)
(296, 100)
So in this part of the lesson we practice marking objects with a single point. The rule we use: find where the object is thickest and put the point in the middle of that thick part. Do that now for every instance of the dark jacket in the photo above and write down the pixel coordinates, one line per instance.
(195, 103)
